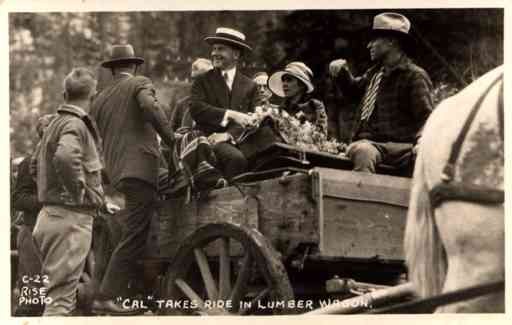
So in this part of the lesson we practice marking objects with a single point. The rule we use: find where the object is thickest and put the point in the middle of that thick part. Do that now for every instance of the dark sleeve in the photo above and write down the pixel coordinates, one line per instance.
(201, 111)
(421, 98)
(320, 115)
(153, 112)
(351, 86)
(33, 161)
(253, 98)
(25, 191)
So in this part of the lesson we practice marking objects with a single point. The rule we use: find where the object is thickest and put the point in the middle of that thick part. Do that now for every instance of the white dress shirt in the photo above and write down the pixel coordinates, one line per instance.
(230, 77)
(229, 82)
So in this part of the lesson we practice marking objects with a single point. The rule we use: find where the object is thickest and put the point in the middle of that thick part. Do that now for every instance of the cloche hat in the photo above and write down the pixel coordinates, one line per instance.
(295, 69)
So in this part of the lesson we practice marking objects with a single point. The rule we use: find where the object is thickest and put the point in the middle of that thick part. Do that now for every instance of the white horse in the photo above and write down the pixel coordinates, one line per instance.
(460, 243)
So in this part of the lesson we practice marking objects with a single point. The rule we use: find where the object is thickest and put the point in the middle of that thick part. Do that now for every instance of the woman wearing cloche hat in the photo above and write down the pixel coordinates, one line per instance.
(295, 85)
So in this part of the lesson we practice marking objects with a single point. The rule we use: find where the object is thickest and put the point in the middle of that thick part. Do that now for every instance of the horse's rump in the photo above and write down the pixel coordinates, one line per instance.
(460, 243)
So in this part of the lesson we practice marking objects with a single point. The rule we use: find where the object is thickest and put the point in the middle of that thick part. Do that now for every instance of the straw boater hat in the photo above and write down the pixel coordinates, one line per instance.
(230, 37)
(295, 69)
(392, 24)
(122, 54)
(260, 78)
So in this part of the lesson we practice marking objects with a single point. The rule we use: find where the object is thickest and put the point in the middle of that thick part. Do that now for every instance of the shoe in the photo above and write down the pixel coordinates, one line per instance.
(109, 307)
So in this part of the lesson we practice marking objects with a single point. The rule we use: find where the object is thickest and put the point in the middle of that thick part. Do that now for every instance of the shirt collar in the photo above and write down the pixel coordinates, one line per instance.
(73, 109)
(231, 73)
(401, 64)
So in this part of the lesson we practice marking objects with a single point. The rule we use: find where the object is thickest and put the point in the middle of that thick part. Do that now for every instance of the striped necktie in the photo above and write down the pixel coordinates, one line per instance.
(369, 97)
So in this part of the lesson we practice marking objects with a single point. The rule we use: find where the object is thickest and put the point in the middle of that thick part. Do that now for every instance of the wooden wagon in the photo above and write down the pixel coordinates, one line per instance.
(270, 243)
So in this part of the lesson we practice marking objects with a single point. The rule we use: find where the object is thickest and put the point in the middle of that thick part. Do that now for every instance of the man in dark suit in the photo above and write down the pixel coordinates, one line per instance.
(221, 99)
(129, 117)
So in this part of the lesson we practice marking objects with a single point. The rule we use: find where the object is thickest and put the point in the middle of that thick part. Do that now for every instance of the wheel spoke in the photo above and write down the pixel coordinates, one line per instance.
(241, 282)
(227, 262)
(206, 274)
(190, 293)
(254, 303)
(224, 269)
(264, 274)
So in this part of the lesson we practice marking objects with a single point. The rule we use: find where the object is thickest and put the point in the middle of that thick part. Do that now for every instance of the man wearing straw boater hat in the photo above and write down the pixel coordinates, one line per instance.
(129, 118)
(396, 97)
(221, 98)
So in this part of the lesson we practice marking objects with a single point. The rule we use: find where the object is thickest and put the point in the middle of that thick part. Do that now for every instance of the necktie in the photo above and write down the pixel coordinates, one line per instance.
(368, 103)
(226, 79)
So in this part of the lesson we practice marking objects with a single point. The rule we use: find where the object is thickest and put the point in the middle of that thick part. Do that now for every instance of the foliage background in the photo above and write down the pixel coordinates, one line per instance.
(43, 47)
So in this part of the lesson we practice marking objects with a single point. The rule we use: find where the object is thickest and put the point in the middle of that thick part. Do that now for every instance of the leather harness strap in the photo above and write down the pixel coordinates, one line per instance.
(450, 190)
(462, 192)
(501, 114)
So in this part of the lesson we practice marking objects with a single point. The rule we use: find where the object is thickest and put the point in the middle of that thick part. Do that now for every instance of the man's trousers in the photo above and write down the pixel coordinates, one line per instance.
(64, 237)
(135, 218)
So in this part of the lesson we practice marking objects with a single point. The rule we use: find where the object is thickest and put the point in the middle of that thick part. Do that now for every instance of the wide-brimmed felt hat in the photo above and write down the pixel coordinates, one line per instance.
(230, 37)
(392, 24)
(295, 69)
(122, 54)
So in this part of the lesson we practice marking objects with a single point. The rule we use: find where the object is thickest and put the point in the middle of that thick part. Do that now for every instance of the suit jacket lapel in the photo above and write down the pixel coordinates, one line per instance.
(220, 88)
(237, 91)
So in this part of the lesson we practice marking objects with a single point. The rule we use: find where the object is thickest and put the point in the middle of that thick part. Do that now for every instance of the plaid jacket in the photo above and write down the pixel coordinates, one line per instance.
(403, 104)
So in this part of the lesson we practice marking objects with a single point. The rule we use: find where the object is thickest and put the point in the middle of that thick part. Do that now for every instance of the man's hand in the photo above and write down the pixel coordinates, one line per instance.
(336, 66)
(240, 118)
(215, 138)
(111, 208)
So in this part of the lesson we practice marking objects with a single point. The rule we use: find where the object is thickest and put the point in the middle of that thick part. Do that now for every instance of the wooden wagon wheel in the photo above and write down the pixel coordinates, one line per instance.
(230, 265)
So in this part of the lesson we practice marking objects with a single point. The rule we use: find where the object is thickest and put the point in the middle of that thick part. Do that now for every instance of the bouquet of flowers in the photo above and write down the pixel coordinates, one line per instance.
(295, 130)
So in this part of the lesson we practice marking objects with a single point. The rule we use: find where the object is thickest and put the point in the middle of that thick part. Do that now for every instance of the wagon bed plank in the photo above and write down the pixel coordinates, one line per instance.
(361, 215)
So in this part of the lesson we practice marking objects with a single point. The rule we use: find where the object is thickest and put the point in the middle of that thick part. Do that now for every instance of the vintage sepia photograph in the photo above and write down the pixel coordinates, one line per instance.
(297, 161)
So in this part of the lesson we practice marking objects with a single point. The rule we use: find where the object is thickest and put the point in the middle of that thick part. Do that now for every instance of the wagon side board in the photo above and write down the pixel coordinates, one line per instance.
(360, 215)
(280, 208)
(344, 213)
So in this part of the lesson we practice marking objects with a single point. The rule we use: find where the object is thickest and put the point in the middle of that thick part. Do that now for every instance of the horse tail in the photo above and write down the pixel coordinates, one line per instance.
(424, 253)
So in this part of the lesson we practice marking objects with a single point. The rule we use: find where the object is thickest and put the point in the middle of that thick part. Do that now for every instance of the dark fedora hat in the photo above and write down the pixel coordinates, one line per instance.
(230, 37)
(391, 24)
(122, 54)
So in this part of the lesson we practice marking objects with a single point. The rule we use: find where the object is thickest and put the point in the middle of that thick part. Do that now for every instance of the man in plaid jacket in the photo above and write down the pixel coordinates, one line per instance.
(396, 97)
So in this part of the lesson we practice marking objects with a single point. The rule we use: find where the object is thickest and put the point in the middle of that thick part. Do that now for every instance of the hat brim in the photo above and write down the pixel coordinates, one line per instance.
(110, 63)
(224, 40)
(275, 83)
(406, 39)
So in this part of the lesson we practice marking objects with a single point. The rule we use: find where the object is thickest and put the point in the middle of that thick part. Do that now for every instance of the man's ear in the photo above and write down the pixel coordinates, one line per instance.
(395, 42)
(238, 54)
